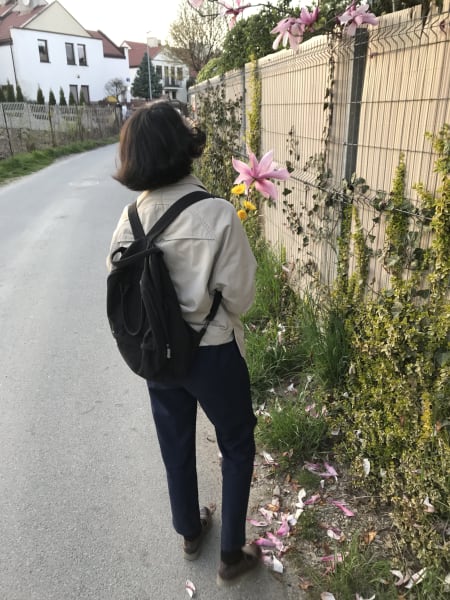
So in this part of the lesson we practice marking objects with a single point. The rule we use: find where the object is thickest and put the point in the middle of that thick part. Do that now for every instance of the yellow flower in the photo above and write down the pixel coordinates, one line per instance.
(238, 190)
(248, 205)
(242, 214)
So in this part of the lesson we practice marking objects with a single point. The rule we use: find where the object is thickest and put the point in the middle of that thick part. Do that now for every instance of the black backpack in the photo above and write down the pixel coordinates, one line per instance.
(142, 305)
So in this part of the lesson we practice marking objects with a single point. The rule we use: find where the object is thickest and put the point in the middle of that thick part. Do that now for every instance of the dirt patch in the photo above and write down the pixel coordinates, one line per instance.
(312, 523)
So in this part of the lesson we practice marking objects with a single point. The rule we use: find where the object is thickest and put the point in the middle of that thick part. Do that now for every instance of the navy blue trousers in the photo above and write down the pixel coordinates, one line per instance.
(220, 383)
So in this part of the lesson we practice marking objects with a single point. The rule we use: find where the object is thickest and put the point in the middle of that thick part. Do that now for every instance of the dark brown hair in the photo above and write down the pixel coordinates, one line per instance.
(157, 147)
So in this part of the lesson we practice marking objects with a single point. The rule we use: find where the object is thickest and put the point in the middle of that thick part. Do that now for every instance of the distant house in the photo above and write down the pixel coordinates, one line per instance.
(172, 73)
(42, 45)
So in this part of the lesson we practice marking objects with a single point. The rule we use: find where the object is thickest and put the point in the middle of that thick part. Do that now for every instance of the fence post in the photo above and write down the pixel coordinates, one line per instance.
(7, 131)
(244, 108)
(357, 84)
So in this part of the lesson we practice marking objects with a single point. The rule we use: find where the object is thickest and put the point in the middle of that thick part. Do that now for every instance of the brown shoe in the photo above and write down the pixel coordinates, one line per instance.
(192, 548)
(230, 574)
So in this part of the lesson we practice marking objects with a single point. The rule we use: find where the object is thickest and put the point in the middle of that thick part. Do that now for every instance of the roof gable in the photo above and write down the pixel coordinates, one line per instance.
(54, 18)
(110, 50)
(10, 18)
(137, 50)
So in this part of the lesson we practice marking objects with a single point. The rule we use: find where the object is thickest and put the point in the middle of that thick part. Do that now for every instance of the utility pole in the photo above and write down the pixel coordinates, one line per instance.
(148, 69)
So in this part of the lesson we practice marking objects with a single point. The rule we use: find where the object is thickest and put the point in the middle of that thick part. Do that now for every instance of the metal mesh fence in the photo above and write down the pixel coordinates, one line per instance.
(352, 109)
(25, 127)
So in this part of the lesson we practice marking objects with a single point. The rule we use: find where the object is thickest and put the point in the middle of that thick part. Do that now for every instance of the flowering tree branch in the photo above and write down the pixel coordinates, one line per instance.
(291, 29)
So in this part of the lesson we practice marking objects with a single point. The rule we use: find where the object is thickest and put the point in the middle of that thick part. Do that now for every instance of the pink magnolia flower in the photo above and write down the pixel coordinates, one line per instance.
(232, 9)
(354, 16)
(309, 18)
(196, 3)
(258, 173)
(291, 29)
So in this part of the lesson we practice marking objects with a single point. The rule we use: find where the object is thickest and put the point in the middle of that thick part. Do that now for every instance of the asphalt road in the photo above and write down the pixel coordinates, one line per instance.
(84, 512)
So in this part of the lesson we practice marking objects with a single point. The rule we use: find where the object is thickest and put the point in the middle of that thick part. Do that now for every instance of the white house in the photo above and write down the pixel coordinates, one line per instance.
(172, 73)
(42, 45)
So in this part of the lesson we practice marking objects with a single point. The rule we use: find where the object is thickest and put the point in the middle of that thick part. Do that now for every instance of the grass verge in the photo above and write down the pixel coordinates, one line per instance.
(298, 356)
(26, 163)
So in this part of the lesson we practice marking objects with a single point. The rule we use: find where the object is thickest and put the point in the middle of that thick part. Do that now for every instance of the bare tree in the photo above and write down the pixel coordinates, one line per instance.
(196, 39)
(115, 87)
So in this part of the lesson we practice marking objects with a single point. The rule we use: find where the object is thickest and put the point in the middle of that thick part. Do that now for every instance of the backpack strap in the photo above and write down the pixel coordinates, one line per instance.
(170, 215)
(212, 313)
(135, 222)
(173, 211)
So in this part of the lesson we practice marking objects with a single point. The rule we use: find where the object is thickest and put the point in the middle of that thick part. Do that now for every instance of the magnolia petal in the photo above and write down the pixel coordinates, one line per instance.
(267, 514)
(292, 520)
(266, 188)
(265, 163)
(256, 523)
(334, 534)
(416, 578)
(273, 538)
(277, 565)
(301, 495)
(190, 588)
(327, 596)
(265, 542)
(312, 467)
(267, 458)
(347, 512)
(428, 506)
(332, 558)
(359, 597)
(312, 500)
(245, 172)
(401, 579)
(330, 470)
(284, 529)
(275, 173)
(366, 466)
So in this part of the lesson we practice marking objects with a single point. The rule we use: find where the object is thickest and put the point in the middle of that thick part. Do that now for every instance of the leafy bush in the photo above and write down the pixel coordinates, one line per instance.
(221, 121)
(399, 387)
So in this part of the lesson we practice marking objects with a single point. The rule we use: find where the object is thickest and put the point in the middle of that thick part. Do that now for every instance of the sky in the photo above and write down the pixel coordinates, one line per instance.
(126, 20)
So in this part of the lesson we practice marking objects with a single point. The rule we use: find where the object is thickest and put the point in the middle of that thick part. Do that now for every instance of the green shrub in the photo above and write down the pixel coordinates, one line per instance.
(399, 390)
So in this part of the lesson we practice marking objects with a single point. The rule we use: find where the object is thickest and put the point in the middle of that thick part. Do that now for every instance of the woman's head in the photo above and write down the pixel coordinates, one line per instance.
(157, 147)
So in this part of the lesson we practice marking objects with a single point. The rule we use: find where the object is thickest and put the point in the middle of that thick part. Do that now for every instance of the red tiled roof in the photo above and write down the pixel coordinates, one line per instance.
(110, 50)
(10, 18)
(137, 51)
(5, 8)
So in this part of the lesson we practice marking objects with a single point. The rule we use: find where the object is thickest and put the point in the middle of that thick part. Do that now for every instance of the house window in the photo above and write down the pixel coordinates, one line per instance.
(159, 72)
(43, 51)
(73, 89)
(70, 54)
(180, 74)
(82, 60)
(85, 91)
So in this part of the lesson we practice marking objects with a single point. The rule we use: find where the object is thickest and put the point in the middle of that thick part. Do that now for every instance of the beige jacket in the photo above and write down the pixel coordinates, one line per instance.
(205, 248)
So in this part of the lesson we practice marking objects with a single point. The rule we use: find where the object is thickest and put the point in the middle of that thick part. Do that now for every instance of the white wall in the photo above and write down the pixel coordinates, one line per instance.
(6, 66)
(32, 73)
(167, 60)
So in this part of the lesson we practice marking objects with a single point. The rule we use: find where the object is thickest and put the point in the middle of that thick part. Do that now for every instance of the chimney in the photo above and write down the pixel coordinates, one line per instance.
(153, 42)
(24, 6)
